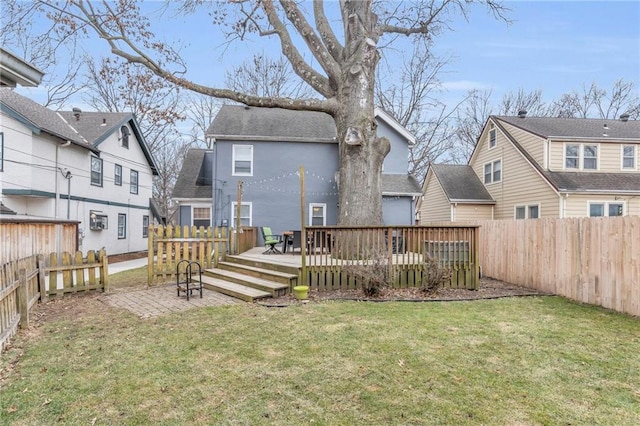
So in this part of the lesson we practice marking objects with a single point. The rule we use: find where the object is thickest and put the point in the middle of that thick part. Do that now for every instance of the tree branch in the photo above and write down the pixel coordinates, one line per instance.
(326, 32)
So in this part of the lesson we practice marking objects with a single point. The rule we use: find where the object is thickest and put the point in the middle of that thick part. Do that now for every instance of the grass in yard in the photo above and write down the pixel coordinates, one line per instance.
(126, 279)
(509, 361)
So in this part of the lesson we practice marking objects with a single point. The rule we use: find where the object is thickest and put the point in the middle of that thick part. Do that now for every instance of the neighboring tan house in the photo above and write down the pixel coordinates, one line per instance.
(92, 167)
(264, 149)
(536, 167)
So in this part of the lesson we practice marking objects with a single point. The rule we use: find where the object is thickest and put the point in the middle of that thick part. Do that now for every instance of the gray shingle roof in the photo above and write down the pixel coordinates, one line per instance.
(595, 182)
(90, 125)
(587, 128)
(251, 123)
(460, 183)
(400, 185)
(187, 185)
(40, 117)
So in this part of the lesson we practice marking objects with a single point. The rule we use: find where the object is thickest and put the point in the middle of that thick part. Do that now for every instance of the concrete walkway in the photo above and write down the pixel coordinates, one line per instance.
(160, 300)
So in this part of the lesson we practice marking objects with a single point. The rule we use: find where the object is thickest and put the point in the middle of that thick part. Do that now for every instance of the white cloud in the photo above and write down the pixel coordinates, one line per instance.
(465, 85)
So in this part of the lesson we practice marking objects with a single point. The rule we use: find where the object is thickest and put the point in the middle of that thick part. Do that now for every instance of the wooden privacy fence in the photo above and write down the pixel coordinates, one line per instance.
(23, 282)
(591, 260)
(407, 250)
(169, 245)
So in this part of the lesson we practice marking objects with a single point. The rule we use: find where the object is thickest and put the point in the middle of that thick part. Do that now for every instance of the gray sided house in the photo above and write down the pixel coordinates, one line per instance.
(264, 148)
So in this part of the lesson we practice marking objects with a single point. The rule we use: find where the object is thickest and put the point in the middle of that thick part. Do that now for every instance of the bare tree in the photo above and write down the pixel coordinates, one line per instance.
(596, 102)
(345, 53)
(200, 111)
(266, 77)
(470, 119)
(412, 98)
(532, 102)
(42, 50)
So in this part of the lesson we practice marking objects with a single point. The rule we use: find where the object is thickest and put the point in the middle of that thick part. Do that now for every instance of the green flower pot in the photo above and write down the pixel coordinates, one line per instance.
(301, 292)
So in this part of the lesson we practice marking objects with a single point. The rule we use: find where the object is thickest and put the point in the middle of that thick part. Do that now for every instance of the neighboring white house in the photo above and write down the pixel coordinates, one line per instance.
(92, 167)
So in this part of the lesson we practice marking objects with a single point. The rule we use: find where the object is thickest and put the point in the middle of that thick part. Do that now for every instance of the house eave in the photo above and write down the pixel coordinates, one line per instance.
(14, 70)
(461, 201)
(602, 139)
(401, 194)
(597, 191)
(235, 138)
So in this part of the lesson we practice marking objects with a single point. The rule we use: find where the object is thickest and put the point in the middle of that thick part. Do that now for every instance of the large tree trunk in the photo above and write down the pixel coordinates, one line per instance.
(361, 151)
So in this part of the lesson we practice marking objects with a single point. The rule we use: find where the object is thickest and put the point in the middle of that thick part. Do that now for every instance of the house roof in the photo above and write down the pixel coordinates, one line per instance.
(5, 210)
(95, 127)
(577, 128)
(595, 182)
(235, 122)
(404, 185)
(14, 71)
(461, 184)
(39, 118)
(188, 185)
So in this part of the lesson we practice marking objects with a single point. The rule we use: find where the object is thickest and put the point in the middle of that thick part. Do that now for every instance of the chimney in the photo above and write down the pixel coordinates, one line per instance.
(624, 117)
(77, 112)
(522, 113)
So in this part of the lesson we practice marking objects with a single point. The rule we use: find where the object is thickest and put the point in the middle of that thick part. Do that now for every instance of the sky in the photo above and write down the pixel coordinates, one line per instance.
(552, 46)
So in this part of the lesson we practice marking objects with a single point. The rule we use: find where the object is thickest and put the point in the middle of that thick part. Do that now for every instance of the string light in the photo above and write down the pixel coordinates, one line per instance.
(266, 184)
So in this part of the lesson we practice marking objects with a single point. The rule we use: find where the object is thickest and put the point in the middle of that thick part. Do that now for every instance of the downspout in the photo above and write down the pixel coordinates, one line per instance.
(55, 201)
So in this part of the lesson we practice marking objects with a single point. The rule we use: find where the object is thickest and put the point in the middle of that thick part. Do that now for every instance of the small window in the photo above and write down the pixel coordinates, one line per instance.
(242, 160)
(317, 214)
(615, 209)
(493, 172)
(572, 157)
(245, 214)
(122, 226)
(201, 216)
(531, 211)
(492, 137)
(145, 226)
(96, 171)
(599, 209)
(133, 184)
(117, 175)
(629, 157)
(590, 157)
(124, 136)
(1, 152)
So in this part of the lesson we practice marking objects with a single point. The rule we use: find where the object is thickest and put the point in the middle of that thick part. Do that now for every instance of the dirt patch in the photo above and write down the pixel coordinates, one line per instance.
(115, 258)
(488, 289)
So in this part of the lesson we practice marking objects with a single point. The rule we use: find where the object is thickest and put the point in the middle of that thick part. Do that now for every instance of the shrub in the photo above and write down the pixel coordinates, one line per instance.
(371, 274)
(434, 275)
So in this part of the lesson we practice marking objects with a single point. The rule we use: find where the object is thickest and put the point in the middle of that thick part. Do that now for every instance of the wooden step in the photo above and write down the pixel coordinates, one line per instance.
(274, 288)
(248, 294)
(271, 275)
(263, 264)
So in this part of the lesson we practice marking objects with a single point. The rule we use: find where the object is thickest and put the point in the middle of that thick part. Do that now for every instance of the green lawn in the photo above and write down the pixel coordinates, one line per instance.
(519, 361)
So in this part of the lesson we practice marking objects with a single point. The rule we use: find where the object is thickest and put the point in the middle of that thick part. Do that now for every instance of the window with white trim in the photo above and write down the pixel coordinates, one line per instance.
(122, 226)
(581, 157)
(133, 182)
(245, 214)
(493, 172)
(317, 214)
(629, 157)
(492, 136)
(242, 160)
(96, 171)
(202, 216)
(117, 175)
(531, 211)
(610, 209)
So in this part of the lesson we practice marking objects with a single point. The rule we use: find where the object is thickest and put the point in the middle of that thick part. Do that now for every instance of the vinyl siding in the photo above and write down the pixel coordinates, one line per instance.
(578, 205)
(533, 144)
(520, 184)
(609, 156)
(471, 212)
(435, 205)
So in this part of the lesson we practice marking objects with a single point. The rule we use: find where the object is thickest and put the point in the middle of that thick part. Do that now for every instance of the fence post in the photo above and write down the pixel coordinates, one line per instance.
(150, 235)
(42, 287)
(104, 271)
(23, 298)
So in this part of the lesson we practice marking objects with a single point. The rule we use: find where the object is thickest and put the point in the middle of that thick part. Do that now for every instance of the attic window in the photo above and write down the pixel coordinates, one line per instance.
(124, 131)
(492, 137)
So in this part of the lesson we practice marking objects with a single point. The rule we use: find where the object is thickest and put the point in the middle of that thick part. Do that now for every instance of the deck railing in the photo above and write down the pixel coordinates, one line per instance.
(407, 250)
